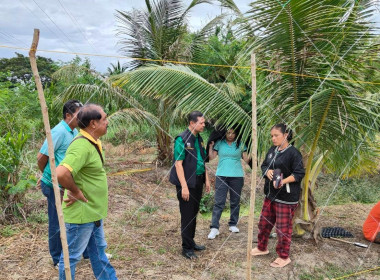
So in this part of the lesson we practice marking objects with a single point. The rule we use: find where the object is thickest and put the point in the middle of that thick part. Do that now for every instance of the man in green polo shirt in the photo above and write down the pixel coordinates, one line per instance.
(189, 175)
(85, 204)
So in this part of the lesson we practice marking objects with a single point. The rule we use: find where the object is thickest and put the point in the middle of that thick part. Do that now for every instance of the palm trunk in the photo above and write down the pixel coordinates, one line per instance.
(310, 160)
(164, 146)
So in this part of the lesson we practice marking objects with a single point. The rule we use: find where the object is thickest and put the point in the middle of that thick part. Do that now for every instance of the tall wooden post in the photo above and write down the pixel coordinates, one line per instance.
(254, 168)
(33, 63)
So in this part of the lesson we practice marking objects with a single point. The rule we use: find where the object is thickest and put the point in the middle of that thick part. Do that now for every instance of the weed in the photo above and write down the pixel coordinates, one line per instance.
(329, 271)
(206, 203)
(362, 190)
(161, 251)
(158, 263)
(38, 217)
(8, 231)
(148, 209)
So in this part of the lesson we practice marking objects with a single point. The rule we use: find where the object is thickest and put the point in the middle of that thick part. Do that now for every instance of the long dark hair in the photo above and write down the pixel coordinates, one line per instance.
(219, 134)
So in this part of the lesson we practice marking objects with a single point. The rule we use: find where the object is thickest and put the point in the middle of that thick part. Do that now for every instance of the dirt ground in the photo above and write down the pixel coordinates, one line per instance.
(143, 235)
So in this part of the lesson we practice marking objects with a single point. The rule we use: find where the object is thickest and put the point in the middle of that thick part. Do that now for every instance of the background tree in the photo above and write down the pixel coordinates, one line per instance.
(19, 69)
(116, 69)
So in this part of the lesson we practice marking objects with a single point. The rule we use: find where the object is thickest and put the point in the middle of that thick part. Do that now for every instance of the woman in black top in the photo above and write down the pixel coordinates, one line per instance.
(283, 172)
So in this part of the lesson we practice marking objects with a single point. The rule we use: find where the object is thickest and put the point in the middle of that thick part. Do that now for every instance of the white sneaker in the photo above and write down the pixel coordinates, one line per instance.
(108, 256)
(213, 233)
(234, 229)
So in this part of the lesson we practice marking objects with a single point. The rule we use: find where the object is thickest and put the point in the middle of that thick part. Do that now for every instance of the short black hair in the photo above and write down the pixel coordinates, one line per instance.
(284, 129)
(71, 106)
(194, 115)
(88, 113)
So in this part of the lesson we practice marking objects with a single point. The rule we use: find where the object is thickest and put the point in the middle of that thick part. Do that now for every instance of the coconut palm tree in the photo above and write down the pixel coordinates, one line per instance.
(157, 33)
(116, 69)
(154, 35)
(319, 50)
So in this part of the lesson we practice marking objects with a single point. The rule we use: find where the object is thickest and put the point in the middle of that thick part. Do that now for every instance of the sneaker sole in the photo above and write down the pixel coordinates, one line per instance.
(211, 238)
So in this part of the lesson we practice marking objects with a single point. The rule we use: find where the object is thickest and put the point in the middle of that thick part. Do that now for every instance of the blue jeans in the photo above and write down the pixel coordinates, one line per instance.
(55, 246)
(222, 185)
(80, 237)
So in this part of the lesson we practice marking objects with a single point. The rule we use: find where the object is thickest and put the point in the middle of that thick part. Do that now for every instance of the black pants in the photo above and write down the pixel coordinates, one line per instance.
(189, 210)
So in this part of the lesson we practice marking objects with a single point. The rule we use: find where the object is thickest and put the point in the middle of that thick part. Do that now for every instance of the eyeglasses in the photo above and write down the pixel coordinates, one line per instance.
(78, 104)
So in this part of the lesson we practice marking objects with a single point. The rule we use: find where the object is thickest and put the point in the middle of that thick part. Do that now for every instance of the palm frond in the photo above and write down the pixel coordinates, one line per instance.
(179, 85)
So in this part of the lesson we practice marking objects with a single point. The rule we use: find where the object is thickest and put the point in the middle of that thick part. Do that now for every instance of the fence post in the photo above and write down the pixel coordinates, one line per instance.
(254, 168)
(45, 116)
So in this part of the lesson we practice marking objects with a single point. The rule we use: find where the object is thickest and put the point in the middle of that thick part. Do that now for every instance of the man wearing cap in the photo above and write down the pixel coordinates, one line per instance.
(62, 135)
(189, 174)
(85, 204)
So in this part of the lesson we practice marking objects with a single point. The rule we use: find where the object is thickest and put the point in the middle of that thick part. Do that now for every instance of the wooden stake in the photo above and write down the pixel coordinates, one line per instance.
(33, 63)
(254, 168)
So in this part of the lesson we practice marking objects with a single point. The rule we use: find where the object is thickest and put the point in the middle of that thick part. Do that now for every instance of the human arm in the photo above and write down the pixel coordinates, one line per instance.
(66, 180)
(42, 160)
(207, 182)
(265, 167)
(298, 171)
(211, 152)
(246, 157)
(43, 155)
(179, 156)
(181, 177)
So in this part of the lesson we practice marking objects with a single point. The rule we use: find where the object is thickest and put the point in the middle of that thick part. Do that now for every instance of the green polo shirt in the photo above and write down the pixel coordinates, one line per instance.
(179, 153)
(85, 165)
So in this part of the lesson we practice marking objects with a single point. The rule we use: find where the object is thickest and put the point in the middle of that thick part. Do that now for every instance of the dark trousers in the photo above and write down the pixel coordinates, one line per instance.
(189, 210)
(223, 185)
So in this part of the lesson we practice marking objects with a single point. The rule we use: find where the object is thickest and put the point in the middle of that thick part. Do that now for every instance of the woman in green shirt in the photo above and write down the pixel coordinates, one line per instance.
(229, 178)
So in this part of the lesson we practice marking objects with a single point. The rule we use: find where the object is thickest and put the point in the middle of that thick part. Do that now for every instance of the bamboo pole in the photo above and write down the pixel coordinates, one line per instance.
(45, 116)
(254, 168)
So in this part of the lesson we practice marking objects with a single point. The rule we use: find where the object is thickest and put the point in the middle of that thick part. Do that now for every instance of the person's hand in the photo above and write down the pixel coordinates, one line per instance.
(208, 186)
(279, 185)
(211, 144)
(185, 193)
(270, 174)
(38, 184)
(73, 197)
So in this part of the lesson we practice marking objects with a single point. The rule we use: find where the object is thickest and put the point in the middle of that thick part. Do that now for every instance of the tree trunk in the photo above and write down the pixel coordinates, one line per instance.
(164, 145)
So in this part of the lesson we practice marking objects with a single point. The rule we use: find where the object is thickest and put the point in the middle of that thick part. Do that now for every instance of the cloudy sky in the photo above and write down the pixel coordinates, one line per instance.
(80, 26)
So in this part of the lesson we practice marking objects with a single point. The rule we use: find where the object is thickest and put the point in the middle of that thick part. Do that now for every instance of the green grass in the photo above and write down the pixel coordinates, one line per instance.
(148, 209)
(244, 209)
(8, 231)
(329, 271)
(38, 217)
(360, 190)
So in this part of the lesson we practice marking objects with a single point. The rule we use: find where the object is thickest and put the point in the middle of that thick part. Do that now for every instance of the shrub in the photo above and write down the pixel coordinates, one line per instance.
(207, 203)
(12, 189)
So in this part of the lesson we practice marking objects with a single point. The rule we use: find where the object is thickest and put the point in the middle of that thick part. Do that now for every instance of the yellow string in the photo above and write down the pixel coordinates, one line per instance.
(356, 273)
(199, 64)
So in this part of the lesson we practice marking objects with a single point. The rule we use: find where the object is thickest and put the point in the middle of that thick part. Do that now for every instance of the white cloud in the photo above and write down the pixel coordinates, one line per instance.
(93, 29)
